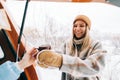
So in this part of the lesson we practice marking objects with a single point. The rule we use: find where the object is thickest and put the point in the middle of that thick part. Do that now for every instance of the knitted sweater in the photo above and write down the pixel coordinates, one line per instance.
(86, 66)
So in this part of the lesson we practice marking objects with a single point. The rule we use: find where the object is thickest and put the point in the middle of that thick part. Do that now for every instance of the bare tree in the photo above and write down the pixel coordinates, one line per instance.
(116, 41)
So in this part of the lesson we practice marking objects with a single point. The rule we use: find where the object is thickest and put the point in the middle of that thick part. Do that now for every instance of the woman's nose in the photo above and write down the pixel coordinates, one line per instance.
(78, 27)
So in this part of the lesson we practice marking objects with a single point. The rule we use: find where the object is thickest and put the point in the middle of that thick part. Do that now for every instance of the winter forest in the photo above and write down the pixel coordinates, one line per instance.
(50, 23)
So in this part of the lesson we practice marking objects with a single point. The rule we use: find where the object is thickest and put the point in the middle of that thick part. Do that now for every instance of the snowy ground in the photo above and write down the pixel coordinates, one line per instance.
(48, 74)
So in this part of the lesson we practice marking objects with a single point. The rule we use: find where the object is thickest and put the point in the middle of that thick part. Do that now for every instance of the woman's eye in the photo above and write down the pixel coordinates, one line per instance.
(81, 26)
(75, 25)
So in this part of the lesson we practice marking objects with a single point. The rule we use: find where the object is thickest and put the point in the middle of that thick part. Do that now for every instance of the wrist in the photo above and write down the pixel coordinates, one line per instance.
(61, 61)
(19, 66)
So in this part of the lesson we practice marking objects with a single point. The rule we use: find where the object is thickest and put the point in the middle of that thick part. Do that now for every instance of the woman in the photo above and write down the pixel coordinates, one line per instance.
(83, 58)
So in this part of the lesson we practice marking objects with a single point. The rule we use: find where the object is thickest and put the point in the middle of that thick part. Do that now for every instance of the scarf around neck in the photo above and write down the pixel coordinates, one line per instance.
(76, 42)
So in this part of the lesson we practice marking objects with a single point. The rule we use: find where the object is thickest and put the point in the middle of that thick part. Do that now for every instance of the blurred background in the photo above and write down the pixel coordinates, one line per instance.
(50, 23)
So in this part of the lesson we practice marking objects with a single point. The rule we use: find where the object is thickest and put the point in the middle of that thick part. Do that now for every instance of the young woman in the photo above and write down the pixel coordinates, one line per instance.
(83, 58)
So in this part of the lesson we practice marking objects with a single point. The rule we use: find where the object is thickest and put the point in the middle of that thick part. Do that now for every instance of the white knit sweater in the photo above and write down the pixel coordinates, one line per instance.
(78, 69)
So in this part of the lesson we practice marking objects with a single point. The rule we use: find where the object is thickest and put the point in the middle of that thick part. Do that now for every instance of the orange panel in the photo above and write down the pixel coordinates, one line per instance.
(88, 0)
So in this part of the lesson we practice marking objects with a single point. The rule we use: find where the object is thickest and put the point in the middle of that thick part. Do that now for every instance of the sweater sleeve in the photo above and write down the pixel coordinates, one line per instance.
(9, 71)
(91, 66)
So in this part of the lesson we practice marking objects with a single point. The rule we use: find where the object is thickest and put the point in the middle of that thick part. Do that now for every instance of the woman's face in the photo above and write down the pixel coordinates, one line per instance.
(79, 28)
